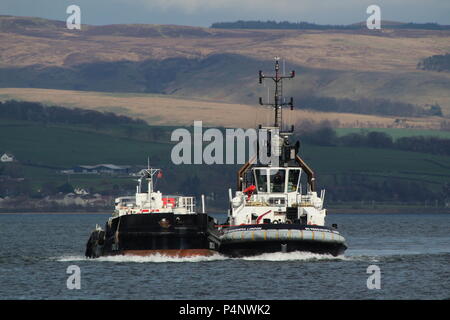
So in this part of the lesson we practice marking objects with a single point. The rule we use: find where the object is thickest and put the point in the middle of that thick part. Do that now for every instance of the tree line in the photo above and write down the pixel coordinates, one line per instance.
(439, 62)
(34, 111)
(302, 25)
(270, 24)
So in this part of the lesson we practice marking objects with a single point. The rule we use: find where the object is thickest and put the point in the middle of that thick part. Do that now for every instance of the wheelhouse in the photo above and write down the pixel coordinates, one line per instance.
(277, 179)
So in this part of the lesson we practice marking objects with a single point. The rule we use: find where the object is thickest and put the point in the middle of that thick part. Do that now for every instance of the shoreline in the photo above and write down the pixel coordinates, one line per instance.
(387, 210)
(56, 212)
(392, 210)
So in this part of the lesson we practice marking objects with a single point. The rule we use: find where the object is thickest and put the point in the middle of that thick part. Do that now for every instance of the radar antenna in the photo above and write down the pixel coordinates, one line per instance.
(279, 102)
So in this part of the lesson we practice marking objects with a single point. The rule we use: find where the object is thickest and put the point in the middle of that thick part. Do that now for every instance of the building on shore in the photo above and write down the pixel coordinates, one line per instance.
(98, 169)
(7, 157)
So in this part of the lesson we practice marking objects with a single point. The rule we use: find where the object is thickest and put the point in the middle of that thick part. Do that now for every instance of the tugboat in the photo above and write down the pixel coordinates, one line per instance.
(273, 209)
(150, 223)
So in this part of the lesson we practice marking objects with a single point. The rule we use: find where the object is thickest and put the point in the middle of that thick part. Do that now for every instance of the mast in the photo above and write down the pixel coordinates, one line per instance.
(287, 152)
(148, 174)
(278, 102)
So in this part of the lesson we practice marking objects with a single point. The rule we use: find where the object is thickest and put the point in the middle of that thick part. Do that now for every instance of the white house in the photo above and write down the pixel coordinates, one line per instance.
(7, 157)
(80, 192)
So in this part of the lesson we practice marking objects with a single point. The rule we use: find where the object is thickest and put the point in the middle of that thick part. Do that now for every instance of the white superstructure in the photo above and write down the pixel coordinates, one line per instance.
(274, 194)
(150, 201)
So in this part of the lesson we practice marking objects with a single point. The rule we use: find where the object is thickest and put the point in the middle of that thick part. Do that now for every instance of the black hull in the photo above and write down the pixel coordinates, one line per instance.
(246, 249)
(251, 247)
(146, 234)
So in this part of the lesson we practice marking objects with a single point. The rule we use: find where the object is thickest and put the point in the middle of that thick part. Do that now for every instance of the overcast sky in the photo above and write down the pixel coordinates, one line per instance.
(204, 12)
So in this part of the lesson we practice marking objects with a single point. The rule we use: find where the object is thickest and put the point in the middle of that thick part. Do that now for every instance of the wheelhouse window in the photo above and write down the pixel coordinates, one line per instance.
(293, 178)
(261, 180)
(277, 180)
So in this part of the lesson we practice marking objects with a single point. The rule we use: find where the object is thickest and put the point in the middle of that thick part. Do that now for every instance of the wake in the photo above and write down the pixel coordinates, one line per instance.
(293, 256)
(159, 258)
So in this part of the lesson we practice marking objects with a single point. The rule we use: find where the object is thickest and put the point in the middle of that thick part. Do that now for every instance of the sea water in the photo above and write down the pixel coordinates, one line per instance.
(412, 252)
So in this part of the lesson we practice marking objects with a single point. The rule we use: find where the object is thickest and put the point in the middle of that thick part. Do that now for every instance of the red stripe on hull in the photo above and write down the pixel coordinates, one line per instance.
(171, 252)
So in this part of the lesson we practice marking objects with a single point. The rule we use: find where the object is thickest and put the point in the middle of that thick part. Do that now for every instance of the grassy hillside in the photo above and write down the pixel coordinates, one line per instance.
(378, 163)
(233, 78)
(326, 49)
(61, 146)
(349, 174)
(221, 64)
(178, 110)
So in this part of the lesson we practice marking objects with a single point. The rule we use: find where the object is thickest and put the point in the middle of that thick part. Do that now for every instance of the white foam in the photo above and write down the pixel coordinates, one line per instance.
(154, 258)
(293, 256)
(159, 258)
(69, 258)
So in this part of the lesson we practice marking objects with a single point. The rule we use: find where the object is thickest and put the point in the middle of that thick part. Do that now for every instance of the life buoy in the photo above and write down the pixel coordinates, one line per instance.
(249, 191)
(168, 202)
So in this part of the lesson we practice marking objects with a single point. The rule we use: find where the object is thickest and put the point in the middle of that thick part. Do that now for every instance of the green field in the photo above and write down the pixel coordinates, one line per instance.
(61, 146)
(432, 171)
